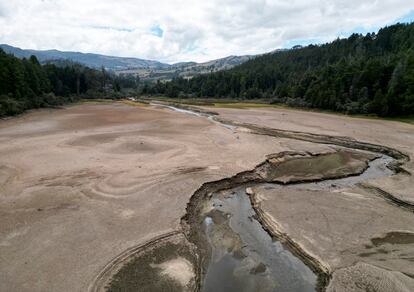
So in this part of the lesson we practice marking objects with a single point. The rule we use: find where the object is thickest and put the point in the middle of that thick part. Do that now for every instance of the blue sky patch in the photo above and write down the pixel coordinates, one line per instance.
(157, 31)
(301, 42)
(409, 17)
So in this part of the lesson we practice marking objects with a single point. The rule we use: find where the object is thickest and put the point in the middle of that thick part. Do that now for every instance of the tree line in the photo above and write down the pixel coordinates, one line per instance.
(366, 74)
(26, 84)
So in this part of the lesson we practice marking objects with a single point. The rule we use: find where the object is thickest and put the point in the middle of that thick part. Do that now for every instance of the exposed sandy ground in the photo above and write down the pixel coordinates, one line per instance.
(367, 242)
(81, 185)
(179, 269)
(388, 133)
(343, 228)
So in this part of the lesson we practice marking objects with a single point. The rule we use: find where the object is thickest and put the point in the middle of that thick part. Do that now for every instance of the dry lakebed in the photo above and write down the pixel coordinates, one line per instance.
(155, 196)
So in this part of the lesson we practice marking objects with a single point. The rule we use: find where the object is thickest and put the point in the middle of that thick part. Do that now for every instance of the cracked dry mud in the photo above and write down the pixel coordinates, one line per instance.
(107, 184)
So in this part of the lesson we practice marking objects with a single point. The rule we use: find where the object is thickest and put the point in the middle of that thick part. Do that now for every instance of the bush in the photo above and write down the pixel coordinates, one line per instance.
(9, 106)
(51, 100)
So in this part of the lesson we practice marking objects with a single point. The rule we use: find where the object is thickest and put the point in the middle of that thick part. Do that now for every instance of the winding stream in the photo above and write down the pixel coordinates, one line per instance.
(225, 236)
(244, 257)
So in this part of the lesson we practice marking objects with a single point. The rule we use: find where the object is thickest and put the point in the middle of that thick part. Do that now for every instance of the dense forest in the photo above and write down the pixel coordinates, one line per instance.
(26, 84)
(368, 74)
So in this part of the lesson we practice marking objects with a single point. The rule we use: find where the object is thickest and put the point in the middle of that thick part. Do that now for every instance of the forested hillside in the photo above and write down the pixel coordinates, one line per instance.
(361, 74)
(25, 84)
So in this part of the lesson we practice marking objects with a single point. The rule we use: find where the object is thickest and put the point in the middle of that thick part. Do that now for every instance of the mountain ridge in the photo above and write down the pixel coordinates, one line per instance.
(89, 59)
(147, 69)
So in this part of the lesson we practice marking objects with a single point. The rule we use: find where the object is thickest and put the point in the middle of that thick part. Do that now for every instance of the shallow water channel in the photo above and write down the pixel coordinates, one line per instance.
(244, 257)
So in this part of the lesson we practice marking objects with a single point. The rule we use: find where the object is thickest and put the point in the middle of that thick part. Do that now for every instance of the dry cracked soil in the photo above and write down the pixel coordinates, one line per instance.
(98, 196)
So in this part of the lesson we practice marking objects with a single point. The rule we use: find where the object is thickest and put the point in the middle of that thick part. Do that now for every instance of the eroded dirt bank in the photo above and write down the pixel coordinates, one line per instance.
(340, 225)
(292, 169)
(282, 168)
(324, 271)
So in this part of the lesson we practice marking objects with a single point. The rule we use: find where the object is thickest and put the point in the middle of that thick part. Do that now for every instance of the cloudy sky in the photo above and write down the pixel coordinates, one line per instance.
(183, 30)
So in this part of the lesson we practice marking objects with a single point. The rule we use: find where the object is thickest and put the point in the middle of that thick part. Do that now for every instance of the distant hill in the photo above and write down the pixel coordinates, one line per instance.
(145, 69)
(219, 64)
(90, 60)
(186, 69)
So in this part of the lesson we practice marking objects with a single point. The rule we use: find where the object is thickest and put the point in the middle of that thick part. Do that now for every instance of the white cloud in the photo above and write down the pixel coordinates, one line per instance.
(192, 29)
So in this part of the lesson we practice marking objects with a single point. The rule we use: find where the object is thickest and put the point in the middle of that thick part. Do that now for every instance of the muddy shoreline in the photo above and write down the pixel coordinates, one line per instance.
(346, 142)
(322, 272)
(191, 221)
(95, 182)
(248, 178)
